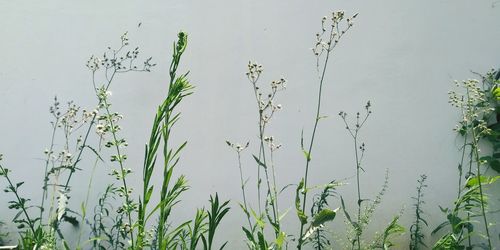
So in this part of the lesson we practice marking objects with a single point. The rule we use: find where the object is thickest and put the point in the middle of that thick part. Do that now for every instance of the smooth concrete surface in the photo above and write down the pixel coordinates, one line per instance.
(401, 55)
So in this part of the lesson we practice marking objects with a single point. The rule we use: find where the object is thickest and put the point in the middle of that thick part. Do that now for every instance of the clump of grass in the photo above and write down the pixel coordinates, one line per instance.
(417, 236)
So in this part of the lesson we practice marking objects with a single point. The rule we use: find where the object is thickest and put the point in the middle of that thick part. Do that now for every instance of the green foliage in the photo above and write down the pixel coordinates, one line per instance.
(417, 236)
(3, 234)
(316, 233)
(215, 215)
(383, 241)
(113, 227)
(491, 90)
(365, 207)
(332, 31)
(326, 41)
(358, 226)
(105, 226)
(474, 104)
(460, 218)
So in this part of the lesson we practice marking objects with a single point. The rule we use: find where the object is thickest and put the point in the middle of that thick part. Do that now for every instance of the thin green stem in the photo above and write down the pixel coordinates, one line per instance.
(89, 188)
(243, 191)
(46, 174)
(128, 202)
(262, 157)
(309, 152)
(358, 231)
(257, 98)
(29, 221)
(73, 167)
(275, 193)
(478, 173)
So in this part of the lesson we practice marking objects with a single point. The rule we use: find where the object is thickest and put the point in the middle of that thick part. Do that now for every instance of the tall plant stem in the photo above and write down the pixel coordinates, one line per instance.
(80, 152)
(19, 199)
(311, 143)
(243, 191)
(358, 236)
(176, 91)
(478, 173)
(122, 169)
(275, 193)
(269, 187)
(471, 159)
(89, 188)
(460, 168)
(262, 159)
(46, 174)
(261, 145)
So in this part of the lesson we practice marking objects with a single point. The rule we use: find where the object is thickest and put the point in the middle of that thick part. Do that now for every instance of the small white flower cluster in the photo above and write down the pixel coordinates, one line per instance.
(93, 63)
(279, 84)
(64, 158)
(71, 119)
(266, 103)
(254, 71)
(117, 61)
(237, 147)
(337, 30)
(474, 107)
(271, 143)
(108, 123)
(87, 115)
(358, 123)
(103, 94)
(124, 38)
(120, 174)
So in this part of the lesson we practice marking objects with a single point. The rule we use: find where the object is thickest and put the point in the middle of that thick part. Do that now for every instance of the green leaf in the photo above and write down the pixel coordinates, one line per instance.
(495, 165)
(347, 216)
(148, 194)
(248, 235)
(307, 155)
(300, 213)
(259, 162)
(258, 219)
(324, 216)
(485, 180)
(283, 214)
(262, 241)
(280, 239)
(319, 220)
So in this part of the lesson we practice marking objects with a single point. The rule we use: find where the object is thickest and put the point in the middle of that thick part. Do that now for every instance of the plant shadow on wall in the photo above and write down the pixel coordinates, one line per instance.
(130, 224)
(83, 140)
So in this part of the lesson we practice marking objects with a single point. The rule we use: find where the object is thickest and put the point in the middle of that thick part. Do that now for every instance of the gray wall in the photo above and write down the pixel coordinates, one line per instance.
(401, 55)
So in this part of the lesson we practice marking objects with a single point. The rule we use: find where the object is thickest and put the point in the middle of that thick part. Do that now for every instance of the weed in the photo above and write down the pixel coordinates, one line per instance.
(417, 236)
(471, 202)
(332, 30)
